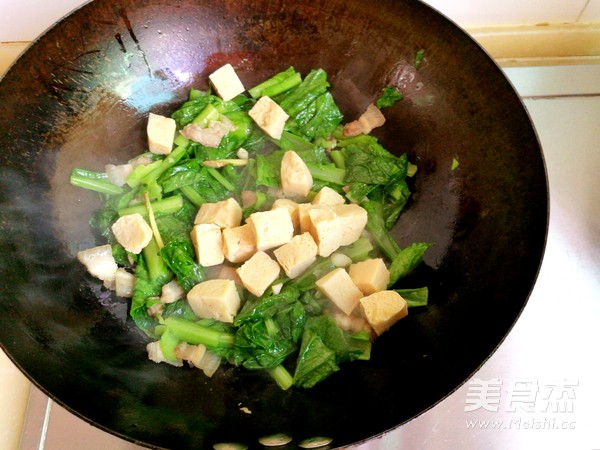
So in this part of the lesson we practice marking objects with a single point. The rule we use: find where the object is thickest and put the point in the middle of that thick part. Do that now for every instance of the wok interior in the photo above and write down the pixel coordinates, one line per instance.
(80, 97)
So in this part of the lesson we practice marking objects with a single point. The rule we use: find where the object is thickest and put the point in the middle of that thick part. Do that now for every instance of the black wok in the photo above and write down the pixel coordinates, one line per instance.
(79, 97)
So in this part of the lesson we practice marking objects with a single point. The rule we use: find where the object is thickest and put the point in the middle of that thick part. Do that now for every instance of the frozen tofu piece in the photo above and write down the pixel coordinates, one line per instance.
(99, 262)
(292, 208)
(296, 180)
(338, 287)
(239, 243)
(383, 309)
(215, 299)
(370, 276)
(258, 273)
(297, 255)
(124, 283)
(327, 197)
(304, 217)
(161, 133)
(271, 228)
(269, 116)
(208, 243)
(132, 232)
(226, 82)
(171, 292)
(225, 214)
(325, 229)
(352, 220)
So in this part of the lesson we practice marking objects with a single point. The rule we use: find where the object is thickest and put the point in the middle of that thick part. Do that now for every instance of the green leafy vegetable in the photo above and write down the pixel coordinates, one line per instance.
(389, 97)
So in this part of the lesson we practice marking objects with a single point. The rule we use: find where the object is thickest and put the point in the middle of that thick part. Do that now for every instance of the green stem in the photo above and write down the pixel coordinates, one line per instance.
(192, 195)
(283, 86)
(328, 173)
(220, 178)
(281, 376)
(94, 181)
(195, 334)
(169, 205)
(157, 268)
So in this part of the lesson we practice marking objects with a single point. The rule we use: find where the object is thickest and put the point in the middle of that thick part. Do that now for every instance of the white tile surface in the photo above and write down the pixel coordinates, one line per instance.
(554, 81)
(499, 12)
(591, 13)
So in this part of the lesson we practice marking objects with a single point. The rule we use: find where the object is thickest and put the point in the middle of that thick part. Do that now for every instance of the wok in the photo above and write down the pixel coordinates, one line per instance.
(79, 97)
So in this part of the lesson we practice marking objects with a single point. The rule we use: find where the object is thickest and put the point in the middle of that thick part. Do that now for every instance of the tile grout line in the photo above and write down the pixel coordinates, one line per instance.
(587, 3)
(45, 425)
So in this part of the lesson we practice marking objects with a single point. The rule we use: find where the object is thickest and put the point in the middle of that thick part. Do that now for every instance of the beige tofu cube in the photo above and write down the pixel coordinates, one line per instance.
(327, 197)
(215, 299)
(258, 273)
(338, 287)
(296, 180)
(269, 116)
(226, 82)
(225, 214)
(383, 309)
(161, 134)
(352, 220)
(271, 228)
(370, 276)
(325, 229)
(132, 232)
(292, 208)
(208, 243)
(239, 243)
(303, 216)
(297, 255)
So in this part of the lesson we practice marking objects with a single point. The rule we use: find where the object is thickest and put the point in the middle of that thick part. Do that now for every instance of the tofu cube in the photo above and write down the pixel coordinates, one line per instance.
(297, 255)
(132, 232)
(352, 220)
(292, 208)
(269, 116)
(327, 197)
(239, 243)
(370, 276)
(296, 180)
(383, 309)
(226, 82)
(258, 273)
(161, 133)
(271, 228)
(208, 243)
(325, 230)
(338, 287)
(304, 217)
(225, 214)
(215, 299)
(99, 262)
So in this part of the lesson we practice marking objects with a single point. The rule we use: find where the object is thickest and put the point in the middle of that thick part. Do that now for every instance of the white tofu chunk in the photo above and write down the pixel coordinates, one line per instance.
(161, 133)
(124, 283)
(296, 180)
(258, 273)
(338, 287)
(225, 214)
(171, 292)
(271, 228)
(303, 216)
(383, 309)
(132, 232)
(99, 262)
(327, 197)
(292, 208)
(370, 276)
(269, 116)
(226, 82)
(215, 299)
(239, 243)
(325, 230)
(297, 255)
(208, 243)
(352, 220)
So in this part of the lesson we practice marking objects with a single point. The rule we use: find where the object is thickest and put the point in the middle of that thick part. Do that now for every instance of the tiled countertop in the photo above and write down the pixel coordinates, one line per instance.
(545, 373)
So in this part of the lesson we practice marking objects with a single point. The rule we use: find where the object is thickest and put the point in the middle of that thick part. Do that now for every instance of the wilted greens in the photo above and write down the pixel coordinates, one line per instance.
(288, 332)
